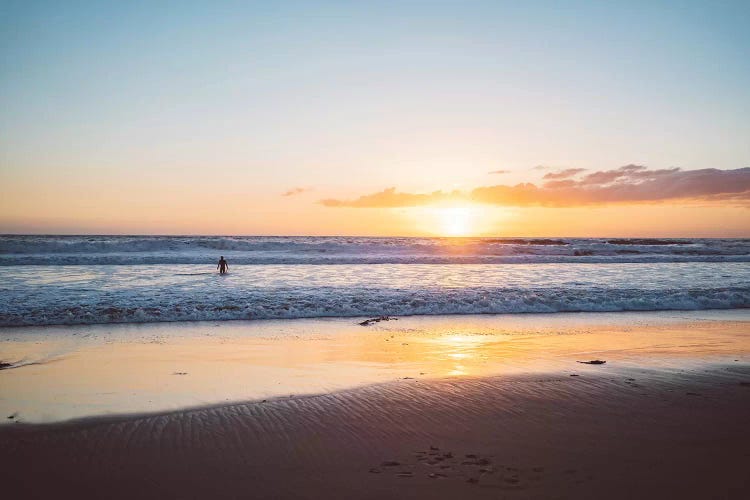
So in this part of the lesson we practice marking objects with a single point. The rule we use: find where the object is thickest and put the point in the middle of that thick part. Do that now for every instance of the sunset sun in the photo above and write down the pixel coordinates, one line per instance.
(455, 221)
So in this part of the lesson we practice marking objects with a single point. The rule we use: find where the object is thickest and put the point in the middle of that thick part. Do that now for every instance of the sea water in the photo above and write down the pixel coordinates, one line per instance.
(120, 279)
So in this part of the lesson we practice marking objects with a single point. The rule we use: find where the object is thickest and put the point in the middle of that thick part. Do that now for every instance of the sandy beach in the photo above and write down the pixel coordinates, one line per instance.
(441, 407)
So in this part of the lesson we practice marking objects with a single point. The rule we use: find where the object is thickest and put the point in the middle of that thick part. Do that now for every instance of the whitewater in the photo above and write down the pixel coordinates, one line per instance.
(48, 280)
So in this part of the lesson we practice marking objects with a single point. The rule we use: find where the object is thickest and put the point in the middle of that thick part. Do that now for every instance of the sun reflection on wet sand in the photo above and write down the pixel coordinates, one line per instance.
(462, 349)
(81, 371)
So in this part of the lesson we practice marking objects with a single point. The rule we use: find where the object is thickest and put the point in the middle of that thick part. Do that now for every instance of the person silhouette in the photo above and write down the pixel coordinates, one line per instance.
(223, 266)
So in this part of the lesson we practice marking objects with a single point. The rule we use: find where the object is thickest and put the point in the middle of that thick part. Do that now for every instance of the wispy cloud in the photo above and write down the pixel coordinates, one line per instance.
(563, 174)
(628, 184)
(295, 191)
(389, 198)
(499, 172)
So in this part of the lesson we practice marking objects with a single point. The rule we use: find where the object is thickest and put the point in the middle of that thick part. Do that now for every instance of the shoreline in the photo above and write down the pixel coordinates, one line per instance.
(358, 317)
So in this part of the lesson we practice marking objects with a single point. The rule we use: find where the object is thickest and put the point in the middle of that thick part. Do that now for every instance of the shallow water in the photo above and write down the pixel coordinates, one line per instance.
(41, 295)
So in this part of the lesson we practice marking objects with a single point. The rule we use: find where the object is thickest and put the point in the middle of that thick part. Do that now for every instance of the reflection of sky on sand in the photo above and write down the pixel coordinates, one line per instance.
(81, 371)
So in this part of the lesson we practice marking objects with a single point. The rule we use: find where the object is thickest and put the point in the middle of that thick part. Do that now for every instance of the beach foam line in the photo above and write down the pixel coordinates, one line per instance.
(355, 303)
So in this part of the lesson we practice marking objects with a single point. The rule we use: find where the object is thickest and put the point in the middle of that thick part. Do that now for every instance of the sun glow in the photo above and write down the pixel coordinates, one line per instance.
(455, 221)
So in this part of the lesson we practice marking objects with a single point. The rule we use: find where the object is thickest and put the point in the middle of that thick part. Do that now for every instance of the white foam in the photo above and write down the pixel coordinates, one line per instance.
(145, 293)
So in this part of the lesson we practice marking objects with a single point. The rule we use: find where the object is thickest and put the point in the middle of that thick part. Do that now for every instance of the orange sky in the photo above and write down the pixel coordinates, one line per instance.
(204, 213)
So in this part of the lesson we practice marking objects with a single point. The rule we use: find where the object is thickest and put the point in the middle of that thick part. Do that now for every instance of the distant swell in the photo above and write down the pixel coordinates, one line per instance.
(578, 257)
(143, 250)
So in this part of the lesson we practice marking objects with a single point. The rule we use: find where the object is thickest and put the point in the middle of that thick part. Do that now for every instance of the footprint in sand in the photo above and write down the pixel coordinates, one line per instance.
(469, 467)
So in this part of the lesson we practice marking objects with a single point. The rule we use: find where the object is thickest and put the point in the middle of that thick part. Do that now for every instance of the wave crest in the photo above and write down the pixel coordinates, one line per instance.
(333, 302)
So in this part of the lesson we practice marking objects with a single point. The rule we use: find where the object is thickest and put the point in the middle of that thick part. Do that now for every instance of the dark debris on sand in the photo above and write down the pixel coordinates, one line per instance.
(593, 362)
(390, 463)
(378, 319)
(4, 365)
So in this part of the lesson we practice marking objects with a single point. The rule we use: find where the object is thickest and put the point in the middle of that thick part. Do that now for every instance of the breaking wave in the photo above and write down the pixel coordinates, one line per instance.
(306, 303)
(132, 294)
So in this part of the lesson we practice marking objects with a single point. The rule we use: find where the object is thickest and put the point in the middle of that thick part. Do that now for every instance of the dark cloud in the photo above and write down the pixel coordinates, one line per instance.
(628, 184)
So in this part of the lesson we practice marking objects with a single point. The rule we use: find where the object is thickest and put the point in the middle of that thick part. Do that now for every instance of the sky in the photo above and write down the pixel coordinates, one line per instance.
(448, 118)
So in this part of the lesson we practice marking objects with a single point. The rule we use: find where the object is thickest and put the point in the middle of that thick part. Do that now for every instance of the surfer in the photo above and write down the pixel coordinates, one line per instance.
(223, 267)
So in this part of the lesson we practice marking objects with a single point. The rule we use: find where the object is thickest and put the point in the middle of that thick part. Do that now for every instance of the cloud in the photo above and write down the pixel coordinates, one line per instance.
(389, 198)
(628, 184)
(565, 183)
(563, 174)
(499, 172)
(626, 173)
(295, 191)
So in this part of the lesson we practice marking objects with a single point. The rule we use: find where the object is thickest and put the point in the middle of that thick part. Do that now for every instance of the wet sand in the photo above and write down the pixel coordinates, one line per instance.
(509, 437)
(666, 417)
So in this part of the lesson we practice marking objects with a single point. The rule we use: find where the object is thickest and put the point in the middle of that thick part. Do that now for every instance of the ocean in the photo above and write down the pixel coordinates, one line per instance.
(59, 280)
